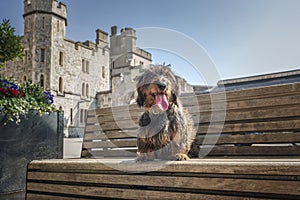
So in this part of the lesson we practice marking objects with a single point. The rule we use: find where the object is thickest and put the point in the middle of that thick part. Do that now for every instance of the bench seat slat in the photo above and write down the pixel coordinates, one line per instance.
(93, 192)
(99, 153)
(251, 104)
(290, 150)
(232, 178)
(186, 182)
(258, 138)
(110, 144)
(263, 126)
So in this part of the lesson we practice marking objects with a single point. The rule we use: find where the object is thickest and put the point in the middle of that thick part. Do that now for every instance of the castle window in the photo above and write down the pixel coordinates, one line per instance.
(87, 65)
(141, 63)
(82, 89)
(57, 25)
(87, 90)
(61, 58)
(83, 65)
(60, 85)
(42, 81)
(103, 72)
(43, 23)
(71, 115)
(25, 57)
(42, 55)
(24, 78)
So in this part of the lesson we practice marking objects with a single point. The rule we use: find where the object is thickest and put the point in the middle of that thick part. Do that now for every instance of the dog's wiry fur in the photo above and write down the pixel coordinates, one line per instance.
(162, 134)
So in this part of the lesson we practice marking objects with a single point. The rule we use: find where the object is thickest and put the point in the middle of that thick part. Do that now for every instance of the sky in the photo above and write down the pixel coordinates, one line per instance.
(226, 38)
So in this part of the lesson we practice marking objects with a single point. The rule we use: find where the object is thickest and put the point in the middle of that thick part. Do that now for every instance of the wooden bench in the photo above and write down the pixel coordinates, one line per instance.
(247, 147)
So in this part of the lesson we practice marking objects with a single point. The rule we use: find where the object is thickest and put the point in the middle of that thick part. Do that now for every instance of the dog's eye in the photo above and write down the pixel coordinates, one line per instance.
(152, 94)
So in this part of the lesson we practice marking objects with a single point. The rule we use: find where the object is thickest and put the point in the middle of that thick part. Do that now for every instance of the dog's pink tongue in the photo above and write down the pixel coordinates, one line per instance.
(162, 102)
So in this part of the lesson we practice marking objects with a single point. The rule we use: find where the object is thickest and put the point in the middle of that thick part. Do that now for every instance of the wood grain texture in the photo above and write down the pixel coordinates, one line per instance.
(195, 179)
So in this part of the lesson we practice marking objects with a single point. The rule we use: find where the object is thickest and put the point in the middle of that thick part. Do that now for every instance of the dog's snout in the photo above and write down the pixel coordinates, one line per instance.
(162, 87)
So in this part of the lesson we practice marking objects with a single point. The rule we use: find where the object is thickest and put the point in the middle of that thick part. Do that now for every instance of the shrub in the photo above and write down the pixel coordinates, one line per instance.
(19, 99)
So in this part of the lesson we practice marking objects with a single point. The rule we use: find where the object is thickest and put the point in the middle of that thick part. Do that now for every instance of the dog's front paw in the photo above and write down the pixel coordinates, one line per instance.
(182, 156)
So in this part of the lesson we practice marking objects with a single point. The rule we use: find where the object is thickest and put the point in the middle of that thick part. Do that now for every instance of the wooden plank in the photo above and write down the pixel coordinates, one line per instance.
(47, 196)
(246, 108)
(221, 106)
(94, 136)
(109, 153)
(110, 144)
(245, 103)
(219, 150)
(284, 90)
(244, 94)
(110, 135)
(253, 114)
(260, 138)
(92, 120)
(118, 125)
(264, 126)
(220, 116)
(245, 184)
(270, 166)
(120, 193)
(93, 127)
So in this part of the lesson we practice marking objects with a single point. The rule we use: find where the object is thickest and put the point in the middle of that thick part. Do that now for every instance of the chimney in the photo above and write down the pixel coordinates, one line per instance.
(113, 30)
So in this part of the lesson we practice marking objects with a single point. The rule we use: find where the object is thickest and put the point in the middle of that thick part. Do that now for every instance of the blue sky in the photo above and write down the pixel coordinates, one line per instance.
(241, 37)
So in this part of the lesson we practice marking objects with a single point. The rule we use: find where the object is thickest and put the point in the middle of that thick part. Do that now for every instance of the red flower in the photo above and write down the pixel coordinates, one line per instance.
(13, 92)
(2, 90)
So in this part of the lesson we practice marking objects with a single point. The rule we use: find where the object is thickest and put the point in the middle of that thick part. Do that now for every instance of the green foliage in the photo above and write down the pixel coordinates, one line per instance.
(10, 45)
(19, 99)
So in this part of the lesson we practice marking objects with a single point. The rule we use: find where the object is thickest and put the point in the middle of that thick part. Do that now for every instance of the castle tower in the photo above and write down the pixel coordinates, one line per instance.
(44, 24)
(123, 49)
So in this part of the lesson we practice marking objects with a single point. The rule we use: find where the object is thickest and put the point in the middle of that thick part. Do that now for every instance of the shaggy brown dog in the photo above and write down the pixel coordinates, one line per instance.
(166, 129)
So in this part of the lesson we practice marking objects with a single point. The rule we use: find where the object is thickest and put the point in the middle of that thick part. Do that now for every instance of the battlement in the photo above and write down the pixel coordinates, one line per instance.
(143, 53)
(125, 32)
(45, 7)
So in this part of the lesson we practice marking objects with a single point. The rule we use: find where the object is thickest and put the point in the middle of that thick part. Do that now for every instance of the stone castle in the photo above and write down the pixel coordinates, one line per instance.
(79, 74)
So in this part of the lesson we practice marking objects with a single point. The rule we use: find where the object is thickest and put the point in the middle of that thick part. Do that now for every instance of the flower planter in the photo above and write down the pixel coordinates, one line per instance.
(36, 137)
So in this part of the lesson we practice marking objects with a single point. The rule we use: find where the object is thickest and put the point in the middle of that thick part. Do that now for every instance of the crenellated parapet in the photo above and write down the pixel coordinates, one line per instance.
(52, 7)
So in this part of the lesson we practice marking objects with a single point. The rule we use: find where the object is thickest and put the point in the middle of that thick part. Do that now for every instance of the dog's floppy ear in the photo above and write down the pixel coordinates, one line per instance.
(174, 98)
(140, 99)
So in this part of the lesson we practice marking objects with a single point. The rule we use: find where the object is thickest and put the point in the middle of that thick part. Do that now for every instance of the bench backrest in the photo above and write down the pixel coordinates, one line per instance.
(248, 122)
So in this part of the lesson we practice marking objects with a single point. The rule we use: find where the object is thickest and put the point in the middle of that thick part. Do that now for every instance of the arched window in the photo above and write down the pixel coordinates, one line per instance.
(25, 78)
(60, 85)
(87, 90)
(42, 81)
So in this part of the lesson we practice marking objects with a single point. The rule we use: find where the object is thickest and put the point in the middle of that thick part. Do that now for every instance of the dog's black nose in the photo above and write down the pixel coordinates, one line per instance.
(162, 87)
